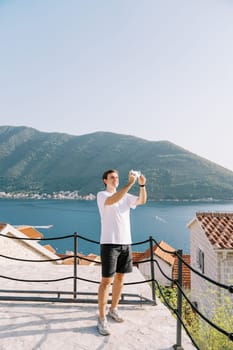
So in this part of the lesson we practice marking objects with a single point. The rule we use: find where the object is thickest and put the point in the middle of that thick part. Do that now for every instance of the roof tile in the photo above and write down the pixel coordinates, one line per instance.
(186, 273)
(30, 231)
(218, 227)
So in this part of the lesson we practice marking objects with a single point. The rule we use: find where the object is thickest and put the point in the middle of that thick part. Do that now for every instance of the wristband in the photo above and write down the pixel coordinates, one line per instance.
(142, 185)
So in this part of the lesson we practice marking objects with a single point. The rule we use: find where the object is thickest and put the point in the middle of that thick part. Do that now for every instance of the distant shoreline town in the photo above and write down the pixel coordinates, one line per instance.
(74, 195)
(55, 195)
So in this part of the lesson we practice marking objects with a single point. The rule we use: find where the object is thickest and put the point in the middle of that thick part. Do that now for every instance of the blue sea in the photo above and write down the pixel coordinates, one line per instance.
(165, 221)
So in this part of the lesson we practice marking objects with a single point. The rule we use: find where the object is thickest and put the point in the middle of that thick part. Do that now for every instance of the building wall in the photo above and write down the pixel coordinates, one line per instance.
(145, 269)
(225, 273)
(225, 261)
(19, 249)
(202, 291)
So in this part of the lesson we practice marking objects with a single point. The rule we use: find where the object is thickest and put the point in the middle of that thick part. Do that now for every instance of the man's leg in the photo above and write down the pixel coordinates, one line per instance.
(117, 289)
(103, 294)
(116, 294)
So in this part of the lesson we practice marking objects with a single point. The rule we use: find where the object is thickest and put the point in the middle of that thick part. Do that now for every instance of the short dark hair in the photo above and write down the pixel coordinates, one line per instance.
(110, 171)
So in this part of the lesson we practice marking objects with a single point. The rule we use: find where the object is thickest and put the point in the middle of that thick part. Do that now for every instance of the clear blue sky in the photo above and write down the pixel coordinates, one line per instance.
(155, 69)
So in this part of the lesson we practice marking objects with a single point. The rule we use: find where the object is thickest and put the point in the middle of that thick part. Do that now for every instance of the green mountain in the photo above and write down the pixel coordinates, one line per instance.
(35, 161)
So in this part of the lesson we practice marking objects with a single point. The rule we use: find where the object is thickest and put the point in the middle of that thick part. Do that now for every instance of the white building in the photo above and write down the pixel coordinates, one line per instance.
(15, 248)
(211, 249)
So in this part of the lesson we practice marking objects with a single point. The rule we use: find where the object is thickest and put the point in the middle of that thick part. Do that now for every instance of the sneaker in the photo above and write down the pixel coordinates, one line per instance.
(115, 315)
(102, 326)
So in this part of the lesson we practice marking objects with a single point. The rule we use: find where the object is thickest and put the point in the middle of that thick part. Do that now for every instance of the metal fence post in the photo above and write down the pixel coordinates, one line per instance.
(75, 266)
(178, 345)
(152, 269)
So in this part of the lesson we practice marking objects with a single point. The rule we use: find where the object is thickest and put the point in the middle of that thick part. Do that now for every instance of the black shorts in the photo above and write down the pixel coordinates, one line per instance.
(116, 258)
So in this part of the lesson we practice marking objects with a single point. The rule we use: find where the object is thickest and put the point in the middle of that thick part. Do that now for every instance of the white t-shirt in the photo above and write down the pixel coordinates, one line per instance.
(115, 218)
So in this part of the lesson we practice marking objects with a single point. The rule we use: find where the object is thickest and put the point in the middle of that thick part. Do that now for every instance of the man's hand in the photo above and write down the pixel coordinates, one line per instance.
(141, 180)
(132, 178)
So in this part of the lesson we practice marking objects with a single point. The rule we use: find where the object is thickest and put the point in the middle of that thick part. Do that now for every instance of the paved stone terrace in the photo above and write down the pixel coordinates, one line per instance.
(45, 325)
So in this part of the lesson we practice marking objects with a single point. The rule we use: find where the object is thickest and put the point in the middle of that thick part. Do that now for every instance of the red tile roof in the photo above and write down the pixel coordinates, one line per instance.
(2, 225)
(218, 228)
(162, 250)
(159, 250)
(146, 254)
(50, 248)
(30, 231)
(169, 258)
(137, 256)
(93, 259)
(186, 272)
(68, 261)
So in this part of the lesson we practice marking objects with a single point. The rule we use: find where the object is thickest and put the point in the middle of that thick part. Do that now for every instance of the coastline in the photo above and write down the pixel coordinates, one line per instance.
(70, 195)
(74, 195)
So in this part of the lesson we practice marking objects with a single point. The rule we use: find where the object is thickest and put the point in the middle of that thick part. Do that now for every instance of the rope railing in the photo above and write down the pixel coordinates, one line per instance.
(76, 257)
(181, 293)
(176, 313)
(153, 281)
(212, 324)
(36, 260)
(36, 281)
(50, 260)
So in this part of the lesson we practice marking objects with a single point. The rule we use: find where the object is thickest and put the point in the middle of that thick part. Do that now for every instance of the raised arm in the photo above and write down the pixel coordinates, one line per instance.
(118, 195)
(142, 198)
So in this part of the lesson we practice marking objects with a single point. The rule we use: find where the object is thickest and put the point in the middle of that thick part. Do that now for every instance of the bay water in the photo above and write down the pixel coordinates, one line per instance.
(165, 221)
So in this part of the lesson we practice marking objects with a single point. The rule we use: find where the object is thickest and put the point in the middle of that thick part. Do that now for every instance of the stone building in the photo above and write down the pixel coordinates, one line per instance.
(211, 250)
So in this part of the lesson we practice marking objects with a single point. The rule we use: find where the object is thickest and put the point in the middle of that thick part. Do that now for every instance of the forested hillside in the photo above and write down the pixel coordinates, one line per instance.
(36, 161)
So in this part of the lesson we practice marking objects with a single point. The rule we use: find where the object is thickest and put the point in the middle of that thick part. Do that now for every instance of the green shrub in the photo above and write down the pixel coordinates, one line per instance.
(205, 336)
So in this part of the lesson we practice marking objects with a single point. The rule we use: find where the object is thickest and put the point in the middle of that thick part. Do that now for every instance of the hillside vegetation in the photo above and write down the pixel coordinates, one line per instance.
(35, 161)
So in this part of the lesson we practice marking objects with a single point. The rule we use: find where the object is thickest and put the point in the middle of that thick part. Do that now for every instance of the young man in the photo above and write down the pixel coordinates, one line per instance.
(116, 255)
